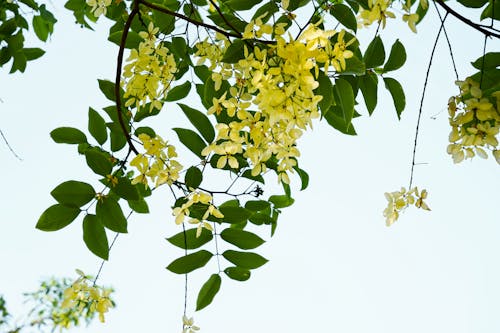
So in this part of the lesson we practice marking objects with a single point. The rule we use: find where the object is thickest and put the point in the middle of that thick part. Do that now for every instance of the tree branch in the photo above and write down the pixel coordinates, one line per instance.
(465, 20)
(119, 63)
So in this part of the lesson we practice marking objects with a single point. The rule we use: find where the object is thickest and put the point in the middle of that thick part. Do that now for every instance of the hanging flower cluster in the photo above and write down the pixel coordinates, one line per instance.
(474, 121)
(157, 164)
(150, 71)
(99, 7)
(83, 295)
(399, 200)
(279, 79)
(378, 11)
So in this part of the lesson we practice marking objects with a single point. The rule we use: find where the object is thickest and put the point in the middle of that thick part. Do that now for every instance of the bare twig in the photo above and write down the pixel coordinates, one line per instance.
(9, 146)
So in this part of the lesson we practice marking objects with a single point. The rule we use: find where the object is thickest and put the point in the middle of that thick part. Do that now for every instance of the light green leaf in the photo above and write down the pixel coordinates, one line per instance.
(132, 42)
(190, 262)
(281, 201)
(208, 291)
(73, 193)
(257, 205)
(95, 237)
(139, 206)
(57, 217)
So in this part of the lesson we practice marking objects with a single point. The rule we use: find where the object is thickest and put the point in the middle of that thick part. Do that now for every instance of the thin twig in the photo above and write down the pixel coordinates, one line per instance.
(109, 249)
(490, 33)
(422, 100)
(9, 146)
(448, 42)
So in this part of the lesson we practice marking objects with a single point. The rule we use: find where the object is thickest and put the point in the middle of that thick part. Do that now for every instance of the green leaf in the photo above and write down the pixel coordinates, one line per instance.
(191, 241)
(73, 193)
(108, 89)
(344, 96)
(191, 140)
(397, 57)
(304, 177)
(235, 215)
(325, 89)
(234, 52)
(33, 53)
(473, 3)
(40, 27)
(193, 177)
(200, 121)
(248, 260)
(375, 53)
(57, 217)
(257, 205)
(266, 11)
(124, 189)
(353, 66)
(95, 237)
(97, 126)
(242, 4)
(368, 84)
(237, 273)
(335, 117)
(178, 92)
(243, 239)
(397, 93)
(132, 42)
(190, 262)
(260, 218)
(139, 206)
(68, 135)
(110, 213)
(98, 161)
(208, 291)
(117, 137)
(491, 11)
(345, 16)
(491, 60)
(281, 201)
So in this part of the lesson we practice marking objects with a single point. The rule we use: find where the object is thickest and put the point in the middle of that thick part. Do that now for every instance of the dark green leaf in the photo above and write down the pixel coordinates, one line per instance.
(242, 4)
(247, 260)
(375, 53)
(191, 140)
(260, 218)
(237, 273)
(33, 53)
(335, 117)
(266, 11)
(473, 3)
(178, 92)
(208, 291)
(234, 52)
(133, 39)
(110, 213)
(145, 130)
(68, 135)
(139, 206)
(368, 84)
(191, 241)
(235, 214)
(193, 177)
(243, 239)
(281, 201)
(98, 161)
(491, 60)
(397, 93)
(200, 121)
(95, 237)
(97, 126)
(248, 174)
(73, 193)
(257, 205)
(325, 89)
(202, 72)
(190, 262)
(124, 189)
(40, 27)
(57, 217)
(491, 11)
(345, 16)
(108, 89)
(179, 46)
(344, 97)
(304, 177)
(117, 137)
(353, 66)
(397, 57)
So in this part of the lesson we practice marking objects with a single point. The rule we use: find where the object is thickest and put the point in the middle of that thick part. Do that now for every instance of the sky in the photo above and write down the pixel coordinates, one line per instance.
(333, 264)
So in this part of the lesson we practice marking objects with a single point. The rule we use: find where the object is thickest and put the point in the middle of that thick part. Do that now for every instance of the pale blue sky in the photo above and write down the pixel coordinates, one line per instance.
(334, 265)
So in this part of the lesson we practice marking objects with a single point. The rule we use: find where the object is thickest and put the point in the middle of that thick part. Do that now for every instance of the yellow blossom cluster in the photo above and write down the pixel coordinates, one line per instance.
(84, 295)
(379, 12)
(197, 197)
(399, 200)
(157, 164)
(279, 79)
(474, 121)
(149, 73)
(99, 7)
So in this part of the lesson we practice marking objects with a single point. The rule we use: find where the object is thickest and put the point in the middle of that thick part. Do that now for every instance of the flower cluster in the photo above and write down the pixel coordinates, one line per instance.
(474, 121)
(188, 325)
(279, 79)
(378, 11)
(150, 71)
(197, 197)
(99, 7)
(84, 295)
(399, 200)
(157, 163)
